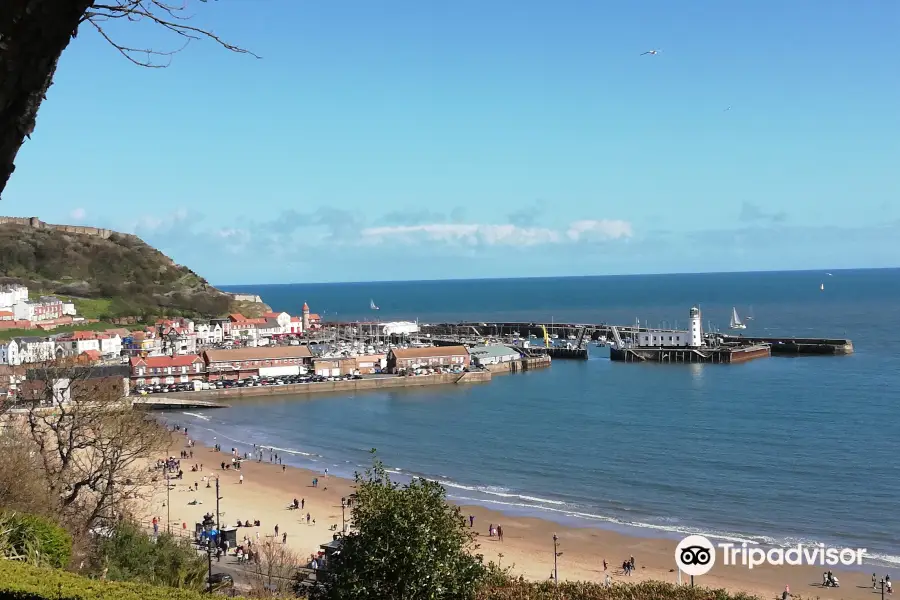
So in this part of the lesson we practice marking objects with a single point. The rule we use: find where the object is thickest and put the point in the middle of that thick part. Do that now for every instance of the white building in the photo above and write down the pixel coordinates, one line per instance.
(209, 334)
(284, 319)
(110, 344)
(9, 353)
(10, 295)
(35, 349)
(493, 354)
(68, 308)
(399, 328)
(271, 327)
(693, 338)
(23, 311)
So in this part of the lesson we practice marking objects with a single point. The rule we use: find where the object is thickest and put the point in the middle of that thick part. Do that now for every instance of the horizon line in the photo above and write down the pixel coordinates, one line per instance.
(822, 270)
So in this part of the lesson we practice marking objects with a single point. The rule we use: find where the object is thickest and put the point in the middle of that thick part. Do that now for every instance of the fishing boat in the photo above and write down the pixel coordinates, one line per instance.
(372, 305)
(736, 322)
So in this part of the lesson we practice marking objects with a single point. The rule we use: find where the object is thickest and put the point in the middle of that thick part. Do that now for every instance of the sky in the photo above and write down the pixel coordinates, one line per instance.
(467, 139)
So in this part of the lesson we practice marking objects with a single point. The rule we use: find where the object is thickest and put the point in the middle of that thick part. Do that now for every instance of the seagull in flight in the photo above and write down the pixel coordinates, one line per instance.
(727, 109)
(651, 52)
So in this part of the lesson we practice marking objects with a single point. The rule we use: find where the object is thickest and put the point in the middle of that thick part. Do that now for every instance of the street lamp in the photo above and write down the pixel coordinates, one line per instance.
(168, 505)
(343, 519)
(882, 588)
(556, 554)
(209, 553)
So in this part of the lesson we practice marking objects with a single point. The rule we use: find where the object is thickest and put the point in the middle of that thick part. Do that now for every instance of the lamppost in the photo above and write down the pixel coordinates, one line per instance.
(168, 505)
(882, 588)
(207, 528)
(343, 519)
(556, 554)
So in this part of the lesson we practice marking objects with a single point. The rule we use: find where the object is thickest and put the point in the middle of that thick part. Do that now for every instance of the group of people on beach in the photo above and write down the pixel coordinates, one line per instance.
(495, 531)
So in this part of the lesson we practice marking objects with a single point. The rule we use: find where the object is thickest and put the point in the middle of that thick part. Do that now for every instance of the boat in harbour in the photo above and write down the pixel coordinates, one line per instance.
(736, 322)
(372, 305)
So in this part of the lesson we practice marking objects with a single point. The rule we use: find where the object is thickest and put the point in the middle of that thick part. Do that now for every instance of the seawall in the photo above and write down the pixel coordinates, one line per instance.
(353, 385)
(523, 364)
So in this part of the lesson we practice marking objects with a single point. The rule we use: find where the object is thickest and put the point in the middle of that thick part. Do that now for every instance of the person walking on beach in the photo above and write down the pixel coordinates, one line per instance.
(604, 565)
(307, 518)
(276, 530)
(874, 581)
(499, 533)
(491, 530)
(283, 468)
(284, 538)
(302, 503)
(471, 521)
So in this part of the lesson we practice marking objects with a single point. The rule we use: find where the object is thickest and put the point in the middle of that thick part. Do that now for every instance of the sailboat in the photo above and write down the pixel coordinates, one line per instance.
(736, 320)
(822, 287)
(372, 305)
(749, 315)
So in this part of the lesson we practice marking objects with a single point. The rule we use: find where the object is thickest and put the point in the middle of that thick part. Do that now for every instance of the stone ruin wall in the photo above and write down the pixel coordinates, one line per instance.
(38, 224)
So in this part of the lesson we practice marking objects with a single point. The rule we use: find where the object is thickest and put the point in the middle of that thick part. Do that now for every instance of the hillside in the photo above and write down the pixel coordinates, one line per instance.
(109, 276)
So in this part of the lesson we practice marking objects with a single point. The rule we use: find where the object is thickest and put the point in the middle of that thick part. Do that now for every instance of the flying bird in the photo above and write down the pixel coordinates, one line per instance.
(652, 52)
(727, 109)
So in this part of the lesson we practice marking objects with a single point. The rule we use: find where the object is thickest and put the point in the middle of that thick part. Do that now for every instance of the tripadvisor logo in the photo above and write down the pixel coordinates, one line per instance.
(695, 555)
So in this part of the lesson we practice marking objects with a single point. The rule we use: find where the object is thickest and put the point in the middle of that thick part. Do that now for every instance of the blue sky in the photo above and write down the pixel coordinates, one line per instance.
(404, 140)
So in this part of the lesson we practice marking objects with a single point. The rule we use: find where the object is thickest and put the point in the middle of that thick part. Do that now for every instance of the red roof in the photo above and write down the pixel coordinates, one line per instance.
(272, 315)
(5, 313)
(314, 317)
(237, 317)
(305, 306)
(91, 354)
(296, 319)
(166, 361)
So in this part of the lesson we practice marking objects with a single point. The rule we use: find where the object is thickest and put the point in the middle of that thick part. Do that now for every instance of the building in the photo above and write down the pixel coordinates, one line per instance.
(283, 319)
(244, 328)
(155, 370)
(693, 338)
(296, 326)
(305, 319)
(209, 334)
(10, 295)
(399, 359)
(71, 344)
(243, 363)
(493, 354)
(371, 363)
(7, 315)
(9, 353)
(225, 324)
(35, 349)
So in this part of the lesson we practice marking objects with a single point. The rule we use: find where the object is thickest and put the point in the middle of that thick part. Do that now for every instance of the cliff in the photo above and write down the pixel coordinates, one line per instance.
(89, 263)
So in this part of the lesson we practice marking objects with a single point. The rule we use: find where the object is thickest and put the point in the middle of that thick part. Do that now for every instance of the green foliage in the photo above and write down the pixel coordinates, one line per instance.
(647, 590)
(408, 543)
(130, 555)
(34, 539)
(19, 581)
(7, 334)
(132, 278)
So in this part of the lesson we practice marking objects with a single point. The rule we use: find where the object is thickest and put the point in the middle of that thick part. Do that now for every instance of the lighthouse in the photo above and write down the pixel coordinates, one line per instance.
(696, 330)
(305, 317)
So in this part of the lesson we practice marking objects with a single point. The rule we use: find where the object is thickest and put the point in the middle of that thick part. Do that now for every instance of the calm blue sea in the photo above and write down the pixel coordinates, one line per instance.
(777, 450)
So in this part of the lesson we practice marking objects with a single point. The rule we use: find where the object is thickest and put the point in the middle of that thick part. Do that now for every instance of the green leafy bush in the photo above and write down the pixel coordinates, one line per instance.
(128, 554)
(35, 539)
(19, 581)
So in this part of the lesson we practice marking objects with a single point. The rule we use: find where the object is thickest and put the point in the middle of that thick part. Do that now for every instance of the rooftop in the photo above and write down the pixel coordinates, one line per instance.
(264, 353)
(434, 351)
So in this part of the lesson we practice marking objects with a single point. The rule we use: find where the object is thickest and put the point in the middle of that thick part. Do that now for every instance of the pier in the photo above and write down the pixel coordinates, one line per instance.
(788, 346)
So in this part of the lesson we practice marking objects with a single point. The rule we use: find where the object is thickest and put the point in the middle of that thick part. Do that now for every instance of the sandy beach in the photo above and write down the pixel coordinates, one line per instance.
(527, 544)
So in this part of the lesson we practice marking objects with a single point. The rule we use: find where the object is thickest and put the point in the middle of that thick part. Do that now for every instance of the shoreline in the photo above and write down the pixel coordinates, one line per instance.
(527, 547)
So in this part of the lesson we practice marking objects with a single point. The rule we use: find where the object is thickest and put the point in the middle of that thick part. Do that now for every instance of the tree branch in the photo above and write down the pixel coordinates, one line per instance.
(170, 16)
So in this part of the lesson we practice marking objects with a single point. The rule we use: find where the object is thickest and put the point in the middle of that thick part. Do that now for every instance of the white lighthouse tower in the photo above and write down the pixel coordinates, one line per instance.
(696, 328)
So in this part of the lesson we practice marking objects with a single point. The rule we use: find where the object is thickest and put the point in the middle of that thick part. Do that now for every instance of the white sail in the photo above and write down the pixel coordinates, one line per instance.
(372, 304)
(736, 320)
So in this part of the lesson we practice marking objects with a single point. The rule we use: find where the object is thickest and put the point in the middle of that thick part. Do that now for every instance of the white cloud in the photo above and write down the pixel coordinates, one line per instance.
(499, 235)
(605, 229)
(77, 214)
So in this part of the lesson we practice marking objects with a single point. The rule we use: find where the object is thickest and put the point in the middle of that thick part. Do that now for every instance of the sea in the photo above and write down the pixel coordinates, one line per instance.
(776, 451)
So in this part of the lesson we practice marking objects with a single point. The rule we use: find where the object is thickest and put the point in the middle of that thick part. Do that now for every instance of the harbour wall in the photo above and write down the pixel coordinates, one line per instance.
(523, 364)
(353, 385)
(721, 355)
(826, 346)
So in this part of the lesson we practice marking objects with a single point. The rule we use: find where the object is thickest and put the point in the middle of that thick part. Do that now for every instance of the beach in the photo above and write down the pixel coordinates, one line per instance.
(527, 547)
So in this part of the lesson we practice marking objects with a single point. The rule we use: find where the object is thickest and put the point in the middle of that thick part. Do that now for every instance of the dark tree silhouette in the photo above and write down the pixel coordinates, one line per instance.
(34, 34)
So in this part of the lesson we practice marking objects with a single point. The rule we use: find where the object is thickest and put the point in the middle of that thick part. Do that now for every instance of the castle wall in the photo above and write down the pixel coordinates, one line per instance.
(36, 223)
